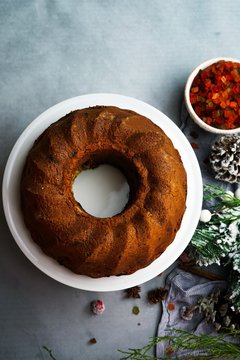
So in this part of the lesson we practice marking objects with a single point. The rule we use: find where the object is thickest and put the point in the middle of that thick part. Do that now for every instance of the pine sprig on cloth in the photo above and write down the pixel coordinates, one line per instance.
(210, 346)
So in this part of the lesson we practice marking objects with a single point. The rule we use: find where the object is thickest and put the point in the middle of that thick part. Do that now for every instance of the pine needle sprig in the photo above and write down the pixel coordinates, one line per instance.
(218, 241)
(209, 346)
(142, 353)
(228, 217)
(211, 242)
(50, 353)
(212, 191)
(224, 202)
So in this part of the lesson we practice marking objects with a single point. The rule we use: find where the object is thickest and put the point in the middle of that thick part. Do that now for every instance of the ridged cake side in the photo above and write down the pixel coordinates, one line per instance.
(103, 246)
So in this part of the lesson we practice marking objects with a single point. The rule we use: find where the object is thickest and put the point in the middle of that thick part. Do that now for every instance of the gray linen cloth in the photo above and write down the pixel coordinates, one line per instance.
(185, 289)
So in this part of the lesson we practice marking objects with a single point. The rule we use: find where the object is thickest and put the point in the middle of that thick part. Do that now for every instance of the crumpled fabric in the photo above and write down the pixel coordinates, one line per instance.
(185, 289)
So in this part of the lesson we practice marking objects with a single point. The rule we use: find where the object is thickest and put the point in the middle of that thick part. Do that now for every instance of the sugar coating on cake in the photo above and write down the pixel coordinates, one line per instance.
(117, 245)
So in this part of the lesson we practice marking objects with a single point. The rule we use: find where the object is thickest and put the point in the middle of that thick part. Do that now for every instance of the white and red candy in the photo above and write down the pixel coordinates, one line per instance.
(97, 307)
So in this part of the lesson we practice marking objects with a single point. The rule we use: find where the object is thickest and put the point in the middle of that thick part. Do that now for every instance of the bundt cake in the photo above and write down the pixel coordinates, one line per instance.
(116, 245)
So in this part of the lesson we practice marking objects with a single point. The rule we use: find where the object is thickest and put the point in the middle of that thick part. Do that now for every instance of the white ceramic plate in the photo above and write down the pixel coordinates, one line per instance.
(49, 266)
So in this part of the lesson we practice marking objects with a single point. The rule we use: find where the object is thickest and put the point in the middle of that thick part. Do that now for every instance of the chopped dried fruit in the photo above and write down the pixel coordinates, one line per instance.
(135, 310)
(195, 145)
(169, 351)
(185, 258)
(215, 95)
(171, 306)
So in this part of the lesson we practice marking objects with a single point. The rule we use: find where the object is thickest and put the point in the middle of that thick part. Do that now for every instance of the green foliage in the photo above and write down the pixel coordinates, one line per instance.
(209, 346)
(224, 203)
(218, 241)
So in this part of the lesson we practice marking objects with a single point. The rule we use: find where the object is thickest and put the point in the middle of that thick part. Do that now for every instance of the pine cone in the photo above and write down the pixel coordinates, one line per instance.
(218, 311)
(157, 295)
(225, 159)
(133, 292)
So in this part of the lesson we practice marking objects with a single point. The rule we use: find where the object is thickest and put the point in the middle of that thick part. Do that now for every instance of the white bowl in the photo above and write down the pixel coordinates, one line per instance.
(190, 109)
(11, 198)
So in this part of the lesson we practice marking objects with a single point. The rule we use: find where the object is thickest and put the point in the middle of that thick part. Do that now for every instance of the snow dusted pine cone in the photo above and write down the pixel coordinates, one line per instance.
(225, 159)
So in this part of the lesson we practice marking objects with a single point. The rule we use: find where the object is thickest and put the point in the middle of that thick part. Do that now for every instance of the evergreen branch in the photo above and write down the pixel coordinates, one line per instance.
(50, 353)
(218, 241)
(209, 346)
(226, 202)
(229, 217)
(212, 191)
(208, 244)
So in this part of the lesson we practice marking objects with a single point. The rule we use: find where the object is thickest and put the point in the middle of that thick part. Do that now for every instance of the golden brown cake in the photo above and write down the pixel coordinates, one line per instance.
(127, 241)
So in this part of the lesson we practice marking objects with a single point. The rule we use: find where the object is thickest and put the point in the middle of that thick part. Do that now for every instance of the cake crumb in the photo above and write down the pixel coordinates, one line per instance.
(195, 145)
(92, 341)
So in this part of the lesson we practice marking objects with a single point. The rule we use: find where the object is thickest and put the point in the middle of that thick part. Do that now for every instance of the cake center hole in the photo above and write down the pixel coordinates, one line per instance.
(102, 192)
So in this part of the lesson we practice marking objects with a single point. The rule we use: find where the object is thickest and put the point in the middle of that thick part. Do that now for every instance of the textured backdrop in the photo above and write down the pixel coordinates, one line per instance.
(52, 50)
